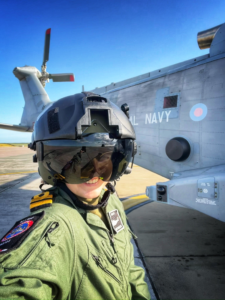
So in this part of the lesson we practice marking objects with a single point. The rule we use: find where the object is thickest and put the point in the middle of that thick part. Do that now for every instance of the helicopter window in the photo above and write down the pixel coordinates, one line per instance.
(170, 101)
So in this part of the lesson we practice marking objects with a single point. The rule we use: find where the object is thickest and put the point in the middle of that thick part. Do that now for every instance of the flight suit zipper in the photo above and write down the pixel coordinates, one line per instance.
(114, 258)
(111, 238)
(48, 230)
(98, 262)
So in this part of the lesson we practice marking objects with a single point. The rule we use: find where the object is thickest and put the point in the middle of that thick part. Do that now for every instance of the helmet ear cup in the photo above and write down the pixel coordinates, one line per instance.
(45, 174)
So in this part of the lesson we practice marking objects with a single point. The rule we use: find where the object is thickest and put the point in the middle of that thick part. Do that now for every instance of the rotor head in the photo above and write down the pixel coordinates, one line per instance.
(45, 76)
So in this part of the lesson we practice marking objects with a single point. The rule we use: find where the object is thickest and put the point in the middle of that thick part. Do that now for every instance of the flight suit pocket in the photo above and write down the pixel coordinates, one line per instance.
(103, 265)
(100, 263)
(100, 279)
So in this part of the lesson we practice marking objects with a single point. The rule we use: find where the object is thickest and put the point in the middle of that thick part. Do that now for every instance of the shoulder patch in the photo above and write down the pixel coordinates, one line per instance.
(15, 236)
(41, 201)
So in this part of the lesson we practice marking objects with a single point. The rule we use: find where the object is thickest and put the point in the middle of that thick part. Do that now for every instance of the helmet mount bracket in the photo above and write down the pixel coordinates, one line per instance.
(98, 105)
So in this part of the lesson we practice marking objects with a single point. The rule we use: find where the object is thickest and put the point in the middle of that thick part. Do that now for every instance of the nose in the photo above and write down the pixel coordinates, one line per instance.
(99, 167)
(102, 168)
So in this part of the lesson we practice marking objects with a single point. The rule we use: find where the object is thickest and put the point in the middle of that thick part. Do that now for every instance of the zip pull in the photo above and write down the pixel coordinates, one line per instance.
(112, 238)
(98, 261)
(51, 229)
(47, 238)
(96, 258)
(99, 264)
(113, 258)
(112, 242)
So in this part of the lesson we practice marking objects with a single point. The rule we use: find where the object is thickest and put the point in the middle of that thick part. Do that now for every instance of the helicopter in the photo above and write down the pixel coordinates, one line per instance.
(32, 82)
(178, 116)
(178, 113)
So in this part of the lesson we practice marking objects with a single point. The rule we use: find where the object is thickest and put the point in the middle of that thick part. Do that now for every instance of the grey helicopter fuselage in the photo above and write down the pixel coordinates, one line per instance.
(178, 113)
(179, 120)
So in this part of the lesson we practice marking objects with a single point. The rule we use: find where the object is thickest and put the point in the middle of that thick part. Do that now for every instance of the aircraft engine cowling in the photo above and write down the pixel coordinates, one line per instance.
(206, 37)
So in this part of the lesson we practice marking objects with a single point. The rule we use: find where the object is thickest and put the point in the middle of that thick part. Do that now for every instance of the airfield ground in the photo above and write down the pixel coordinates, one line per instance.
(184, 250)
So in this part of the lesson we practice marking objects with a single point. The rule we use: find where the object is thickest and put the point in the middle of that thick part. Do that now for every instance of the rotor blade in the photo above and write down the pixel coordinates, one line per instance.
(15, 127)
(47, 46)
(62, 77)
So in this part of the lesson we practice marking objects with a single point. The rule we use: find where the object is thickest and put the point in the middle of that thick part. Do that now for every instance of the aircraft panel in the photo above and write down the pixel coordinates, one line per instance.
(169, 134)
(169, 125)
(153, 162)
(148, 141)
(218, 64)
(174, 80)
(213, 138)
(213, 103)
(208, 150)
(175, 89)
(216, 114)
(151, 87)
(189, 125)
(216, 78)
(209, 162)
(147, 131)
(194, 80)
(151, 149)
(214, 90)
(145, 105)
(213, 126)
(192, 94)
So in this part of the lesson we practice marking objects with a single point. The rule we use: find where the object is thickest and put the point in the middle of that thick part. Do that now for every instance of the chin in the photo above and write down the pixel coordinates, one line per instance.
(91, 194)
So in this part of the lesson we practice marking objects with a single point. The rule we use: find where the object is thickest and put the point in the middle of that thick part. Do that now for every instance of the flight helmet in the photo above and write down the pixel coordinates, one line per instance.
(83, 136)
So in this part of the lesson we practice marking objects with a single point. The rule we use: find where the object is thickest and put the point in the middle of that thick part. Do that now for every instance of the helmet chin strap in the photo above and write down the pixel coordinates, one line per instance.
(78, 203)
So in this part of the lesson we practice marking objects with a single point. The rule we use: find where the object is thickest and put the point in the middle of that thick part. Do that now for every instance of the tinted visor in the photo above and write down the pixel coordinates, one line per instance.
(78, 161)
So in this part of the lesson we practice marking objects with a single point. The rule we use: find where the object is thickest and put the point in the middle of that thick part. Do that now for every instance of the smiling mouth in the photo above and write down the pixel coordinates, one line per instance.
(93, 180)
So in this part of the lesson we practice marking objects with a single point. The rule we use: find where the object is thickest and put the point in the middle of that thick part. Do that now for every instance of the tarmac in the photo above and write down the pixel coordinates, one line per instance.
(183, 250)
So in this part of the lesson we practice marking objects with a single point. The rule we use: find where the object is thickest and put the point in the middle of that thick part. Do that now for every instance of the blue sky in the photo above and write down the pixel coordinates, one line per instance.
(99, 41)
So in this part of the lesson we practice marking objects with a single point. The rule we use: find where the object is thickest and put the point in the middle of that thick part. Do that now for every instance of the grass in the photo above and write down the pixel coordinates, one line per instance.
(13, 144)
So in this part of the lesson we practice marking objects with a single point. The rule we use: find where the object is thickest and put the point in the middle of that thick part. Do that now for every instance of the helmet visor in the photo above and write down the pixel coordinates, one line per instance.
(95, 155)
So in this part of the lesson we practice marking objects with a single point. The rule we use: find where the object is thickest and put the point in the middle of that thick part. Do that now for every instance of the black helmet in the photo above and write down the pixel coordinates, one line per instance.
(83, 136)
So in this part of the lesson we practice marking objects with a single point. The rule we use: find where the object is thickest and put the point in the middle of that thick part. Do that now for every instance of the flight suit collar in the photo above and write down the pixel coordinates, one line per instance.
(94, 220)
(65, 196)
(90, 218)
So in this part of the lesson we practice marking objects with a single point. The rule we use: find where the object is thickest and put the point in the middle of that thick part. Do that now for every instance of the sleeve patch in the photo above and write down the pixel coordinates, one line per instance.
(19, 232)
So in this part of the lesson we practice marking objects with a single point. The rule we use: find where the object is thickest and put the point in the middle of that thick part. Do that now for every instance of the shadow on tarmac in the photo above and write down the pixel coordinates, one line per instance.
(15, 200)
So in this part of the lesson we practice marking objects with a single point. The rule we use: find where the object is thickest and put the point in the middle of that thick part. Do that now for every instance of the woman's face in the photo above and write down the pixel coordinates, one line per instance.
(90, 189)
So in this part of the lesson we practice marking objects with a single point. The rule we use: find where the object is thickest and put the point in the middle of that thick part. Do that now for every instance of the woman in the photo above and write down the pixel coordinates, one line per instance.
(76, 242)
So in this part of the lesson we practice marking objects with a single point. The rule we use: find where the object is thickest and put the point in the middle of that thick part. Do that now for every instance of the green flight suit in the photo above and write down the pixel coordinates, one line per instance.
(70, 254)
